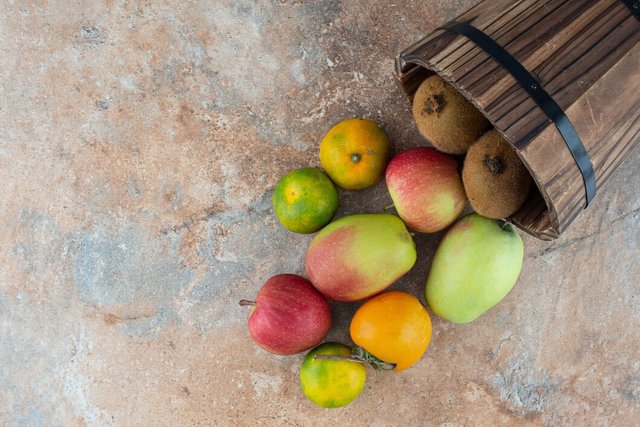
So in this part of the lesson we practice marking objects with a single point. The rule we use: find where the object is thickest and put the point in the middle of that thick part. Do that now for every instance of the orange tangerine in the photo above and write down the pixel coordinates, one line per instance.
(355, 153)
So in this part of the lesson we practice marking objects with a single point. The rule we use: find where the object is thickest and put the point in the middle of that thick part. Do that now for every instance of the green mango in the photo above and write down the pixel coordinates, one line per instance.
(358, 256)
(475, 266)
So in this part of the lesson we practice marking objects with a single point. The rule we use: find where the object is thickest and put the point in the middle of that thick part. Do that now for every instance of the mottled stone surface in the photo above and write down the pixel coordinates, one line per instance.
(139, 146)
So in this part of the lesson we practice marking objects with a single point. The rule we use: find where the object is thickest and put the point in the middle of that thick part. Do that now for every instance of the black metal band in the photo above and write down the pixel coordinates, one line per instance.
(535, 90)
(634, 7)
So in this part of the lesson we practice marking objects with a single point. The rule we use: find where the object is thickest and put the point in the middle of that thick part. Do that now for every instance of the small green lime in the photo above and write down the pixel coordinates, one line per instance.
(305, 200)
(331, 383)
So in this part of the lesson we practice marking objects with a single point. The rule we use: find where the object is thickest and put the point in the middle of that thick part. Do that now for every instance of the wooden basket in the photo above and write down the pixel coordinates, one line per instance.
(586, 56)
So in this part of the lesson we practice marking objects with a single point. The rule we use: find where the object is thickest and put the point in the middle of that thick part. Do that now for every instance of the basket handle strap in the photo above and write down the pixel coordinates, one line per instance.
(535, 90)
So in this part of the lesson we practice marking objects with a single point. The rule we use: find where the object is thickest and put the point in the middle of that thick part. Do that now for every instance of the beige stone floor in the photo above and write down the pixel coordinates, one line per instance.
(139, 145)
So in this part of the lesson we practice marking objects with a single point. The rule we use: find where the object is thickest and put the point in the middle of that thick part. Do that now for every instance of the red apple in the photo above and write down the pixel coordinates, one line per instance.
(289, 315)
(426, 188)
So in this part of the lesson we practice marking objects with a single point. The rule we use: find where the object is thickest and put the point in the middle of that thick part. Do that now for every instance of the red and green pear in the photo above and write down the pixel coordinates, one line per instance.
(289, 315)
(475, 266)
(426, 188)
(358, 256)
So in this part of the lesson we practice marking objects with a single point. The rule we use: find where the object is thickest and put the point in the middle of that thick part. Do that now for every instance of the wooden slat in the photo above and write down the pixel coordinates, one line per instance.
(608, 119)
(573, 48)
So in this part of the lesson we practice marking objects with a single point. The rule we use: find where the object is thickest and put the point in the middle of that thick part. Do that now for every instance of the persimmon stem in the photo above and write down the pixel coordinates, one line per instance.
(337, 357)
(245, 302)
(377, 364)
(360, 355)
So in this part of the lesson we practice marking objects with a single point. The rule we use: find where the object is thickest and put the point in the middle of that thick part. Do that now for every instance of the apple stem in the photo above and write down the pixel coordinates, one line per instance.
(244, 302)
(388, 207)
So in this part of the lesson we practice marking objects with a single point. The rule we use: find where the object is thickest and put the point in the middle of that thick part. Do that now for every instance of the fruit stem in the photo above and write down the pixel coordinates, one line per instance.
(377, 364)
(337, 357)
(244, 302)
(360, 355)
(504, 224)
(391, 206)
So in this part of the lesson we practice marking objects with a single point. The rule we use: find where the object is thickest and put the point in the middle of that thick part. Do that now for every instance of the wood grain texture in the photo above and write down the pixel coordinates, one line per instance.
(585, 54)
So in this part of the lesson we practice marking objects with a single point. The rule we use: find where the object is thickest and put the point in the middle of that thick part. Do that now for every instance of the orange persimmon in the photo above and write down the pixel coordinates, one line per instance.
(394, 327)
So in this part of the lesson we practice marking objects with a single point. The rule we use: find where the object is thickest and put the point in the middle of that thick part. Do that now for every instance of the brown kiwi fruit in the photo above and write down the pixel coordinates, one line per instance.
(445, 117)
(495, 179)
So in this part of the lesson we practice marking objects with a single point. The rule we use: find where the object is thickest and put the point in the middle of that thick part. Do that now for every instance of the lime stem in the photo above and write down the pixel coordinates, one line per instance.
(245, 302)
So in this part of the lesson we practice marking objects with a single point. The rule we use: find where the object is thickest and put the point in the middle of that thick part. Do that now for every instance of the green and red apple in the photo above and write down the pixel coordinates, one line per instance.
(358, 256)
(475, 266)
(426, 188)
(289, 315)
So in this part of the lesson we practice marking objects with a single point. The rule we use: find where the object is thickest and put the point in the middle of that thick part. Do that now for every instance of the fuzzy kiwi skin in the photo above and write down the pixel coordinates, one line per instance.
(496, 181)
(445, 118)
